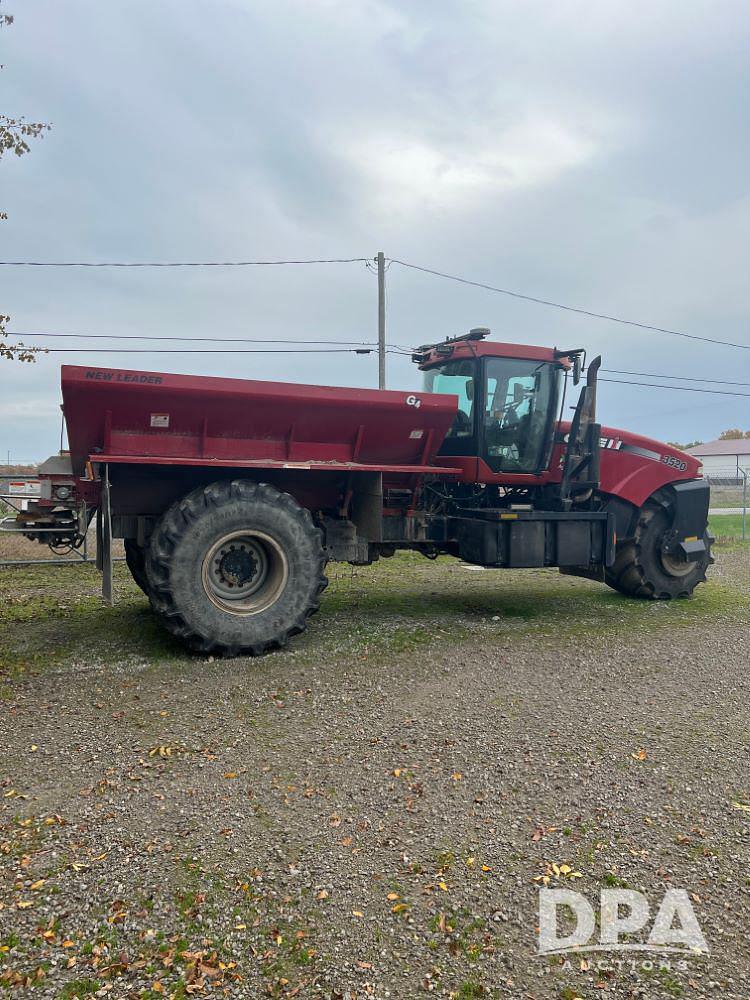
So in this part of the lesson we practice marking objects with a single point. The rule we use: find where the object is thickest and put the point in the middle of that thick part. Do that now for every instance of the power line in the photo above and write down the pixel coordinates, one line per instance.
(396, 348)
(566, 308)
(197, 350)
(680, 378)
(180, 263)
(213, 340)
(677, 388)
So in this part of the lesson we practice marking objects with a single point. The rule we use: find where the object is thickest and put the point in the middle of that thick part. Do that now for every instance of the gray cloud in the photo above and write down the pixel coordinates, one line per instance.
(596, 154)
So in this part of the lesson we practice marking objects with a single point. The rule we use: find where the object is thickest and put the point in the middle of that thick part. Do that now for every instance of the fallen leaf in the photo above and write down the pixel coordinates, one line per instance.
(230, 774)
(641, 755)
(357, 913)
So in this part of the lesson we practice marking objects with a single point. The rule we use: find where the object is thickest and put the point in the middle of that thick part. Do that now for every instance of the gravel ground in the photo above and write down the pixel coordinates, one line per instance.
(372, 813)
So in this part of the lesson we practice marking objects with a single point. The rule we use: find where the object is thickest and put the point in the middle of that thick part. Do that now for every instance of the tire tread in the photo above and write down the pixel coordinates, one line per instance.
(185, 512)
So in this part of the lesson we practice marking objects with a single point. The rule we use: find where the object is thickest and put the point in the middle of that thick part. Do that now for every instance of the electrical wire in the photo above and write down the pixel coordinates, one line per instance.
(190, 350)
(398, 349)
(213, 340)
(180, 263)
(681, 378)
(567, 308)
(677, 388)
(367, 262)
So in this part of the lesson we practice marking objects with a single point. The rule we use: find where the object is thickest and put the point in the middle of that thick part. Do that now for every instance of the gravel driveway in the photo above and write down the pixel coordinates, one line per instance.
(373, 813)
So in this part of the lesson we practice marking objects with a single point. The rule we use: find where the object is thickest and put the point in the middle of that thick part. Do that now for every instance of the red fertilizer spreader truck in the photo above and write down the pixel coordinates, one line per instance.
(232, 495)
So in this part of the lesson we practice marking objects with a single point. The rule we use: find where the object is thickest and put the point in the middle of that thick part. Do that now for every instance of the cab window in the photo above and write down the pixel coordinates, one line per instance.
(457, 379)
(520, 398)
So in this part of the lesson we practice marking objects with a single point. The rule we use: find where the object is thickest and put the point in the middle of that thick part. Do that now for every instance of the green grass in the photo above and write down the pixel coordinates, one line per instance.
(52, 617)
(80, 988)
(729, 526)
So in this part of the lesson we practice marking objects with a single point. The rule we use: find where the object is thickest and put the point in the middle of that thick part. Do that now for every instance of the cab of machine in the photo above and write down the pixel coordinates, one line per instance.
(509, 400)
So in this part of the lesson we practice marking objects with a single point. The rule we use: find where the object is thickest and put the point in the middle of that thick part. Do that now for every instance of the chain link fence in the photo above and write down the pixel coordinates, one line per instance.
(729, 502)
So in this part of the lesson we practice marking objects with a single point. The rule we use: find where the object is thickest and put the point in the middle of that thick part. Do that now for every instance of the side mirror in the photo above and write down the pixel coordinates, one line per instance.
(576, 369)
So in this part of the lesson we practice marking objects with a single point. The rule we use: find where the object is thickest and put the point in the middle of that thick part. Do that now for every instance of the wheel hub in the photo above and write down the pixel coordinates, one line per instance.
(244, 572)
(672, 559)
(237, 567)
(676, 564)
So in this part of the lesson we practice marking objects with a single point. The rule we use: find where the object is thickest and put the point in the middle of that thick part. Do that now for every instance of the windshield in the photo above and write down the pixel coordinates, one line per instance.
(519, 402)
(456, 378)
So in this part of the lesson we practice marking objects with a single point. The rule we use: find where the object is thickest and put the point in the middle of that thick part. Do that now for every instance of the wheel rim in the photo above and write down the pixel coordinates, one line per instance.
(245, 572)
(676, 565)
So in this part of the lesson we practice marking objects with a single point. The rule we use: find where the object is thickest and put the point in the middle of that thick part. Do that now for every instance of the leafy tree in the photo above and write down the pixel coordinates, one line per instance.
(15, 136)
(684, 447)
(733, 434)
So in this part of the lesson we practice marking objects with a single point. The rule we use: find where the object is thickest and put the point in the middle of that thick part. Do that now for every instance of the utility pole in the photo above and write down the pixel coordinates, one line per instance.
(381, 319)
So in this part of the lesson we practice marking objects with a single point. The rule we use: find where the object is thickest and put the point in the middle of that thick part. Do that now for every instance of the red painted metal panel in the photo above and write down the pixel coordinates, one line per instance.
(632, 467)
(489, 348)
(186, 419)
(237, 463)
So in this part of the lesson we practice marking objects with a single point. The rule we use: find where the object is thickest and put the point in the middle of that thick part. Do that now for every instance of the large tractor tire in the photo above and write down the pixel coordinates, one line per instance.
(135, 558)
(643, 569)
(236, 568)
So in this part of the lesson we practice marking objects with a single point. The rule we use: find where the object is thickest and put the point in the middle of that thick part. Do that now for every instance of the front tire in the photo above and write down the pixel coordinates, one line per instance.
(236, 568)
(641, 567)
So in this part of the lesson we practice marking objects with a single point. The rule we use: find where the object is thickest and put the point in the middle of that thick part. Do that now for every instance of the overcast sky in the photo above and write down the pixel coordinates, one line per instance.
(593, 153)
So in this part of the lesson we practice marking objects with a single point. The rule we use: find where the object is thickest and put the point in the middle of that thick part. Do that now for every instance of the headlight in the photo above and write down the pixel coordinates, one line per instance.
(63, 492)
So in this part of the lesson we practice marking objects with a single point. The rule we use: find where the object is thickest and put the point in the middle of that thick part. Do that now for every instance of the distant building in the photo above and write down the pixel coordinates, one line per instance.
(723, 458)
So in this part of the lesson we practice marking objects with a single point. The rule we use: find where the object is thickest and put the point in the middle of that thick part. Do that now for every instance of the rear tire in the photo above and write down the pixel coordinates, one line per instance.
(236, 568)
(642, 570)
(135, 557)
